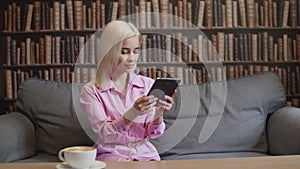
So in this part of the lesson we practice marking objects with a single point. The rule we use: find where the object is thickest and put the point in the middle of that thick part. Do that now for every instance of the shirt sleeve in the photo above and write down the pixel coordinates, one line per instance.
(109, 131)
(154, 130)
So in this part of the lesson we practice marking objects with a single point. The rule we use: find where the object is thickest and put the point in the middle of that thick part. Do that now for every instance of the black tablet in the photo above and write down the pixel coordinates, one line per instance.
(164, 86)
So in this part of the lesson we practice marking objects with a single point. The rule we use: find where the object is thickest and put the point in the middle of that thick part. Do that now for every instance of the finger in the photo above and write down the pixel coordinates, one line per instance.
(143, 101)
(148, 107)
(164, 104)
(175, 91)
(150, 101)
(169, 99)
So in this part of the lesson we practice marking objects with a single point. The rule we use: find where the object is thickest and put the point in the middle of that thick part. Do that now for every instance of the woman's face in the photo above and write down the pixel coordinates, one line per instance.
(129, 54)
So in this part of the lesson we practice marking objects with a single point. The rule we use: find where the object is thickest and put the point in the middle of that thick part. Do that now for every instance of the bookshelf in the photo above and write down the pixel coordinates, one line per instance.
(195, 40)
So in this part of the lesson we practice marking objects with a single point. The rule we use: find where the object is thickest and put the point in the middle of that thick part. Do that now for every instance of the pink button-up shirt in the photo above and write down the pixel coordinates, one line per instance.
(117, 140)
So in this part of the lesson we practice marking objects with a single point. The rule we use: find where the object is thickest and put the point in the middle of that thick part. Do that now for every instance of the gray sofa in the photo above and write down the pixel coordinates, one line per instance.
(235, 118)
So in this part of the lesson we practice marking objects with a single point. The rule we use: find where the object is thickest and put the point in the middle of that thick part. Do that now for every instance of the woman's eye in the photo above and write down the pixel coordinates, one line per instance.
(124, 51)
(136, 51)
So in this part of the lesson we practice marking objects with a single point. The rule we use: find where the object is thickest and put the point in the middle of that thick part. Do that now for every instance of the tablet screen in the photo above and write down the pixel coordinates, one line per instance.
(163, 86)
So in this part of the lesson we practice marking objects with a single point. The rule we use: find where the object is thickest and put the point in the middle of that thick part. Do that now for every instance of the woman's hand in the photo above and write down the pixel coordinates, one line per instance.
(162, 107)
(140, 107)
(145, 104)
(166, 105)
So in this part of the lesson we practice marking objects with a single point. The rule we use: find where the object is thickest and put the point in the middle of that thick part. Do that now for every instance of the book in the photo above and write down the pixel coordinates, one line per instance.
(280, 49)
(201, 14)
(93, 15)
(285, 15)
(28, 51)
(265, 46)
(78, 14)
(235, 13)
(250, 15)
(69, 6)
(275, 15)
(209, 13)
(62, 16)
(254, 48)
(221, 46)
(293, 13)
(270, 12)
(271, 48)
(149, 15)
(242, 10)
(37, 15)
(114, 11)
(184, 13)
(217, 13)
(56, 15)
(246, 47)
(155, 7)
(29, 17)
(48, 49)
(229, 14)
(8, 84)
(230, 47)
(122, 8)
(142, 11)
(266, 14)
(57, 49)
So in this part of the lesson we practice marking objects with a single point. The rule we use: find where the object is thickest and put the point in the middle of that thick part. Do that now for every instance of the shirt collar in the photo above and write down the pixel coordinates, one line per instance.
(134, 80)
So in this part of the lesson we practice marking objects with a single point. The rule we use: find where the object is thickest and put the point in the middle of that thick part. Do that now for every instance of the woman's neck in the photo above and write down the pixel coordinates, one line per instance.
(121, 81)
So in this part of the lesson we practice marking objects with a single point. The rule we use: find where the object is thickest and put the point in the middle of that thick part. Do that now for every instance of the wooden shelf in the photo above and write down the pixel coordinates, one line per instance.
(237, 37)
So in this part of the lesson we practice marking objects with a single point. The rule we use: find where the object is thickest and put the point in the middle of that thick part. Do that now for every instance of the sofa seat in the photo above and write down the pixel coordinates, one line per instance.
(215, 155)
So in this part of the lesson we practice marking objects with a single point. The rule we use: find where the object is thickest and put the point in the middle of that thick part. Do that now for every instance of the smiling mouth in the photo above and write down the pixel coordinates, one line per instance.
(130, 65)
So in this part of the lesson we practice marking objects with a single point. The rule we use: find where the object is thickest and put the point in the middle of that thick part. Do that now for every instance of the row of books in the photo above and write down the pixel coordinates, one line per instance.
(80, 15)
(290, 76)
(49, 50)
(261, 46)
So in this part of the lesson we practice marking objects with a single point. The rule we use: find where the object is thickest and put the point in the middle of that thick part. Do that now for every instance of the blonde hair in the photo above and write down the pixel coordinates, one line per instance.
(111, 43)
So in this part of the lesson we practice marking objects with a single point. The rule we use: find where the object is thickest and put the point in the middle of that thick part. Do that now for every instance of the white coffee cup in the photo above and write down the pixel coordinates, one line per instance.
(79, 157)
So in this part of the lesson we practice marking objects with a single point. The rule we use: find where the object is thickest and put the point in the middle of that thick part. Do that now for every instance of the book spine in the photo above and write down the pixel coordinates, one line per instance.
(293, 13)
(29, 17)
(69, 5)
(229, 15)
(285, 13)
(209, 13)
(62, 16)
(201, 14)
(242, 13)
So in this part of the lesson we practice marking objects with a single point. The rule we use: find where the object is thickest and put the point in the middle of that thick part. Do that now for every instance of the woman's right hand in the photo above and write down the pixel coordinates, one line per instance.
(140, 107)
(145, 104)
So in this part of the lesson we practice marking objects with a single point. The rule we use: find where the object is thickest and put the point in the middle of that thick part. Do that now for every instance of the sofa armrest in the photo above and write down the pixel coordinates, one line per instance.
(283, 131)
(17, 137)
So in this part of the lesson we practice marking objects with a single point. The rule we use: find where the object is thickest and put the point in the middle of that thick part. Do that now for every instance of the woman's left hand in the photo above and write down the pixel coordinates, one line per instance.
(165, 105)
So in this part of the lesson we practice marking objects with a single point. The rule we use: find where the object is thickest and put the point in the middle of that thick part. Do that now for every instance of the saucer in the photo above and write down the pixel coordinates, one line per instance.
(96, 165)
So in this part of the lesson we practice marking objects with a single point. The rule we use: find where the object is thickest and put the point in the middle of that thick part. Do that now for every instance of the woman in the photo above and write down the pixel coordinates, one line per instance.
(116, 103)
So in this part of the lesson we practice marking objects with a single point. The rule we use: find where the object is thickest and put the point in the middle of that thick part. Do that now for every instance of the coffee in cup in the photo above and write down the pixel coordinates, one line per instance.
(79, 157)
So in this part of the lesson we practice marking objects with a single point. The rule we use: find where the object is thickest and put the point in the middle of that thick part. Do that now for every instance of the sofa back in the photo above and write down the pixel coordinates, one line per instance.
(51, 107)
(221, 117)
(217, 117)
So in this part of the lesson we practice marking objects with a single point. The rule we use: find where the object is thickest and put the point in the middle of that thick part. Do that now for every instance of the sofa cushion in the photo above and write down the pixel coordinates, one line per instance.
(220, 117)
(50, 106)
(17, 137)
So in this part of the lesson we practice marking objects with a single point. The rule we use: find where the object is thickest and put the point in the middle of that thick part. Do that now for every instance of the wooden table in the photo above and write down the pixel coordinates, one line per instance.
(275, 162)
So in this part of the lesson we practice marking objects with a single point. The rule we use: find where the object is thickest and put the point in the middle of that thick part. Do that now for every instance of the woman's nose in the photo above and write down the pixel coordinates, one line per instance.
(131, 56)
